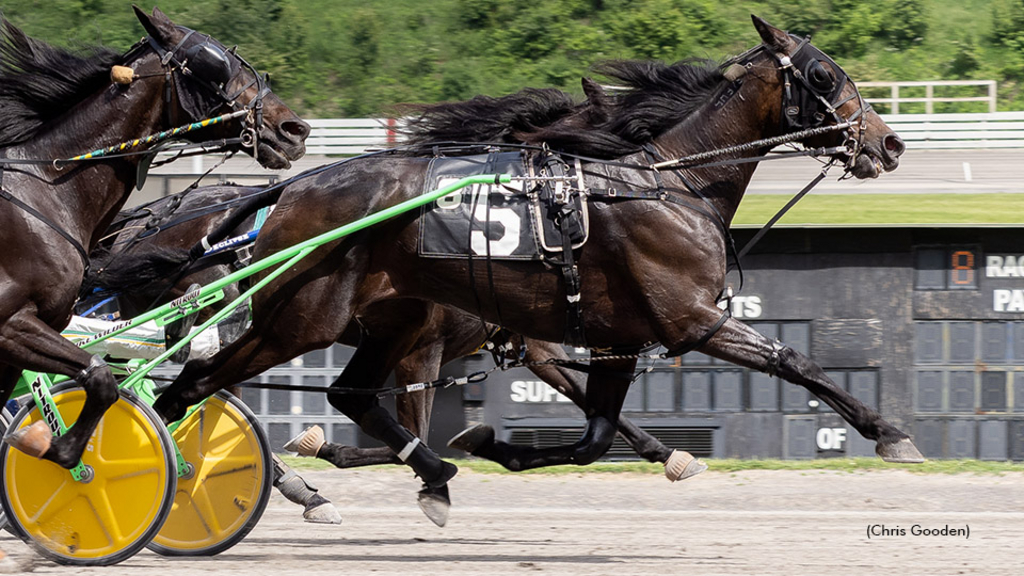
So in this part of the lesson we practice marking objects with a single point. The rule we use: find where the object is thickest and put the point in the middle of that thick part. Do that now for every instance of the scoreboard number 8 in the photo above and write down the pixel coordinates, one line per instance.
(962, 268)
(963, 273)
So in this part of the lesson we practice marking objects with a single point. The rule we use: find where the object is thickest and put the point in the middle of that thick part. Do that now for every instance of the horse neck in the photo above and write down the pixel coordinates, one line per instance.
(708, 129)
(90, 193)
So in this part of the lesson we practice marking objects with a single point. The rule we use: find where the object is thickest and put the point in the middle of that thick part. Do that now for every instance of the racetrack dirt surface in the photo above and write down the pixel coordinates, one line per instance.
(756, 522)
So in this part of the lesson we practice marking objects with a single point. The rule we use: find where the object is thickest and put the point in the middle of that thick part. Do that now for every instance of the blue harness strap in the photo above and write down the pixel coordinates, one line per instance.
(248, 237)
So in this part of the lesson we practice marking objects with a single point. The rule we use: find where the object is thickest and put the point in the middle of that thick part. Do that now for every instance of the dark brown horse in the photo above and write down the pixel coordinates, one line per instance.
(182, 220)
(651, 272)
(54, 105)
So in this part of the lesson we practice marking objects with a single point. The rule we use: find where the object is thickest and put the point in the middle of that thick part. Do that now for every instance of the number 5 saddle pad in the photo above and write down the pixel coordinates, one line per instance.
(516, 221)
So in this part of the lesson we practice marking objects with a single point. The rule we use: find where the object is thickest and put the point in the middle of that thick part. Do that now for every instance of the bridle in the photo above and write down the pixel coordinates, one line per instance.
(206, 64)
(811, 94)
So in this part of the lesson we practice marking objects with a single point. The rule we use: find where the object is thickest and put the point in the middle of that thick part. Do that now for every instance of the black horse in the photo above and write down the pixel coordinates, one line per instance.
(54, 105)
(651, 272)
(139, 236)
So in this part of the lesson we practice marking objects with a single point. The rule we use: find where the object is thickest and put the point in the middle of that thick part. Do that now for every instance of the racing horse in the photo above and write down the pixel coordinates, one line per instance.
(651, 272)
(55, 104)
(122, 266)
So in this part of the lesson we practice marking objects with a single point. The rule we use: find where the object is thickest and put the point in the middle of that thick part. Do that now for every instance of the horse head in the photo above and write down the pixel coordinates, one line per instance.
(206, 79)
(817, 92)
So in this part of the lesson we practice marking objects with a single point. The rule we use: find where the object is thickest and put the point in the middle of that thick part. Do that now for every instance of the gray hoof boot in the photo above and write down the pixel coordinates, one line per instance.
(320, 510)
(472, 438)
(434, 502)
(682, 465)
(902, 451)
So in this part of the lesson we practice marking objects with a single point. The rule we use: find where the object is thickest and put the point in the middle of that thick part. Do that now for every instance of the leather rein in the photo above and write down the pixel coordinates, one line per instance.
(252, 113)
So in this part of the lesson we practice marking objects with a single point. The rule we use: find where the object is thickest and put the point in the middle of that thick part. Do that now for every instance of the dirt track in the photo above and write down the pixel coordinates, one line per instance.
(793, 523)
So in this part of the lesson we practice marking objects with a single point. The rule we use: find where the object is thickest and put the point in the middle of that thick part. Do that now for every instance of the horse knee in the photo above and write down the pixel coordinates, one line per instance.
(597, 439)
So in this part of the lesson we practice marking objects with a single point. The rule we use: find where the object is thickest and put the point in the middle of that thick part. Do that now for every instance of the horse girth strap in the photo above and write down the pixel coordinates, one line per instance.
(5, 195)
(567, 220)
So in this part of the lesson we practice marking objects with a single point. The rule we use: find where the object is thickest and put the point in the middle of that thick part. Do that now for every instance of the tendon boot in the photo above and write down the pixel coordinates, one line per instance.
(425, 462)
(295, 488)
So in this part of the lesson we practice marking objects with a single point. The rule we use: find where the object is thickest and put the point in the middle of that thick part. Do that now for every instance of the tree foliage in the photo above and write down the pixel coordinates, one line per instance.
(357, 58)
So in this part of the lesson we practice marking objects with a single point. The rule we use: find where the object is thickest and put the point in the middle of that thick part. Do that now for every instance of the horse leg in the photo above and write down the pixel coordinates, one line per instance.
(316, 508)
(295, 488)
(422, 365)
(605, 392)
(27, 340)
(679, 464)
(244, 358)
(369, 367)
(740, 344)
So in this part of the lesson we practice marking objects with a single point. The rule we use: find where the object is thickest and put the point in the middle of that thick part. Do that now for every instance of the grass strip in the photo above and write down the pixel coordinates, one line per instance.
(889, 209)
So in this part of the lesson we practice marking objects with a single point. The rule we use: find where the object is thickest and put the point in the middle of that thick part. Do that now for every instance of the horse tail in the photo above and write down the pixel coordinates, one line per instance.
(123, 271)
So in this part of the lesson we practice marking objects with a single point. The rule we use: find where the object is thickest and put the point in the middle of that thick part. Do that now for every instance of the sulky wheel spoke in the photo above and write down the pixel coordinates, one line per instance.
(205, 509)
(58, 502)
(230, 465)
(105, 515)
(113, 470)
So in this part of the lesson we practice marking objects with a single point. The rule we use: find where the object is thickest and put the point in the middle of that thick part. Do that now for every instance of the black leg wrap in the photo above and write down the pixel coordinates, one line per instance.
(597, 439)
(424, 461)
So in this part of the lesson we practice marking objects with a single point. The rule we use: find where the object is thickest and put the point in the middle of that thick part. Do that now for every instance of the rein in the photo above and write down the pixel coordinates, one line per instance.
(252, 112)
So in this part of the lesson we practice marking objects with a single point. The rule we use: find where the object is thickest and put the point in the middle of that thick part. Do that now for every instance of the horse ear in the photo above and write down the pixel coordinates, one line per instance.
(594, 92)
(770, 35)
(158, 25)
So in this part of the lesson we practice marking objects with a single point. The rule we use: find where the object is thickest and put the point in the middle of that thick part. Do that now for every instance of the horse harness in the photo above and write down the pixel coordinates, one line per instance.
(5, 195)
(811, 95)
(211, 69)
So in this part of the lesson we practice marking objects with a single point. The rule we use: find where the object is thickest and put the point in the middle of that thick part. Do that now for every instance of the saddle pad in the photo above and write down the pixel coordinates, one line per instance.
(502, 222)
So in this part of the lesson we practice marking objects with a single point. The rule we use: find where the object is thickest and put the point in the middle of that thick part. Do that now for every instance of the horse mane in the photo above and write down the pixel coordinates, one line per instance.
(650, 98)
(39, 82)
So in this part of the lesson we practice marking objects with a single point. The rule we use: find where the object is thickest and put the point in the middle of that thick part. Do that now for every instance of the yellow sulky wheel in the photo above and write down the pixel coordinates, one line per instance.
(228, 487)
(118, 511)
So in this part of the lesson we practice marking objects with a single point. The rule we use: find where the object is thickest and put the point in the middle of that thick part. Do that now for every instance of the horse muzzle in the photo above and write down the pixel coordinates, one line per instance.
(277, 149)
(876, 158)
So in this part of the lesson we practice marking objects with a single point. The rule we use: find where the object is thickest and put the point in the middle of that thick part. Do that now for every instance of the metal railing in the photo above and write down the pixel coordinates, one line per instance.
(920, 131)
(896, 97)
(959, 131)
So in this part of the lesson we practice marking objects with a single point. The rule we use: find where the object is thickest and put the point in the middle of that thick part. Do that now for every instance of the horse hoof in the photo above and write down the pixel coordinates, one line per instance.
(682, 465)
(472, 438)
(434, 502)
(902, 451)
(308, 443)
(320, 510)
(33, 440)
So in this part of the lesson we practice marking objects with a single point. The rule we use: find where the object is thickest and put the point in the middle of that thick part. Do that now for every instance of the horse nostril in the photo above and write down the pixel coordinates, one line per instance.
(298, 129)
(894, 145)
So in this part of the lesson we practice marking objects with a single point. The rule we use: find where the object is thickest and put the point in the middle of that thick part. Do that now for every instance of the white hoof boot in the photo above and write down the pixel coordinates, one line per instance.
(308, 443)
(681, 465)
